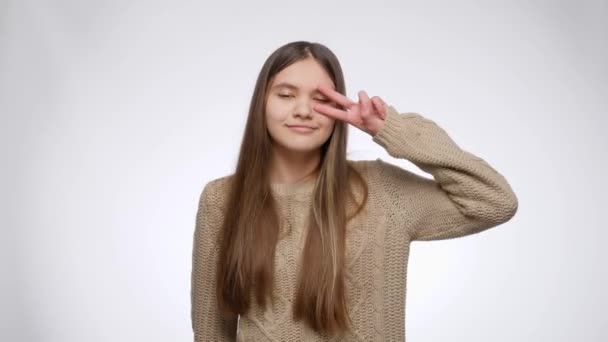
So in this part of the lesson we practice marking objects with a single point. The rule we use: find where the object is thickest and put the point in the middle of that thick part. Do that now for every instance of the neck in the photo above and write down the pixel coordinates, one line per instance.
(292, 167)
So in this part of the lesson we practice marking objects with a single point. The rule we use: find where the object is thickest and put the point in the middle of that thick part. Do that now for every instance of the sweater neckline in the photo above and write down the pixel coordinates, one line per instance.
(302, 187)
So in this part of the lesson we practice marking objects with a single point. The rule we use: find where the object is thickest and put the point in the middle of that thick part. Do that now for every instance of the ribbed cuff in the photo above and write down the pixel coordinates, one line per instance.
(393, 132)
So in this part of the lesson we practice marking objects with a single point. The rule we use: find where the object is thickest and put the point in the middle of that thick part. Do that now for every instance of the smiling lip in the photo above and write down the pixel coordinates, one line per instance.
(301, 129)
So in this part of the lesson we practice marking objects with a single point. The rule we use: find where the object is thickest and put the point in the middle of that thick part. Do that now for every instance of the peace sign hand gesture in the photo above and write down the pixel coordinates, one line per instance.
(367, 115)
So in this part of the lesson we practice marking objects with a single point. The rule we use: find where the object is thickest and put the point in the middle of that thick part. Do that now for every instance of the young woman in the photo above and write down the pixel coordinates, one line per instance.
(301, 244)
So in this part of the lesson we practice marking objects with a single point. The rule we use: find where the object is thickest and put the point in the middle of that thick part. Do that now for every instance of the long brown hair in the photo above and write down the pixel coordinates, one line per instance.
(251, 224)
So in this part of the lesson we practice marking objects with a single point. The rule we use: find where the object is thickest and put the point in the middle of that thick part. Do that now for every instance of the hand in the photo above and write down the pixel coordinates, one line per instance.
(367, 115)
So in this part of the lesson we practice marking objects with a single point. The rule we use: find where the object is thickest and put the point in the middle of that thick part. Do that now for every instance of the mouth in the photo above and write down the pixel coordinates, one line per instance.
(301, 128)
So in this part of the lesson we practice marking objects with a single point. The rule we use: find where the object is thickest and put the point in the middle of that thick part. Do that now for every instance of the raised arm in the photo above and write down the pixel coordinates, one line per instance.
(207, 323)
(466, 195)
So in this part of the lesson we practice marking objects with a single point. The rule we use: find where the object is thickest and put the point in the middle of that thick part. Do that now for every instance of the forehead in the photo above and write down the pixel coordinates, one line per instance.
(306, 74)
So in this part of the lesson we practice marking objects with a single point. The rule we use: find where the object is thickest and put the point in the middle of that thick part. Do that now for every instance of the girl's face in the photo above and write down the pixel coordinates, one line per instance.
(292, 123)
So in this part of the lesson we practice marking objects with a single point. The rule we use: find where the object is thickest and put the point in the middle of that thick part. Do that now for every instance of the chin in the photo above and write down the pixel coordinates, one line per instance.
(301, 147)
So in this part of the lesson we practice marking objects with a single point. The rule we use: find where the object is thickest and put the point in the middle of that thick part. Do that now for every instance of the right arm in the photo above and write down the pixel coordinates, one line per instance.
(207, 323)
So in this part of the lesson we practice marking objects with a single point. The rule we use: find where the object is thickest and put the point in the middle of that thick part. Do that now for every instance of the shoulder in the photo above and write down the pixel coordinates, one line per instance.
(378, 172)
(215, 191)
(374, 167)
(364, 167)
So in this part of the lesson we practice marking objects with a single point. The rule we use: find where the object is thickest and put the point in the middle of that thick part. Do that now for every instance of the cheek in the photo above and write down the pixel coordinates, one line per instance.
(274, 120)
(328, 123)
(328, 128)
(275, 112)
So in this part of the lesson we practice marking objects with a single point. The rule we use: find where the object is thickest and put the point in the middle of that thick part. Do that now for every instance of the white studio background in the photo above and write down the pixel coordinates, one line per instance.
(114, 114)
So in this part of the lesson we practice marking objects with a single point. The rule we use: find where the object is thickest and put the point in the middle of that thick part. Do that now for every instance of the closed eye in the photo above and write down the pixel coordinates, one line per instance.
(288, 96)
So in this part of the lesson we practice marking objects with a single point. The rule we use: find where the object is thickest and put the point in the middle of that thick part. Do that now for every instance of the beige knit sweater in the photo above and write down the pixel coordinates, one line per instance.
(465, 197)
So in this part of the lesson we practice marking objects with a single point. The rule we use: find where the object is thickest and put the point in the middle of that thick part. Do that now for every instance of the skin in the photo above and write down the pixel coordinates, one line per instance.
(304, 94)
(367, 115)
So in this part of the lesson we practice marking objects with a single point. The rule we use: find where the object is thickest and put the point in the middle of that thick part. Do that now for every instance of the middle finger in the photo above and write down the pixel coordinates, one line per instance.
(336, 96)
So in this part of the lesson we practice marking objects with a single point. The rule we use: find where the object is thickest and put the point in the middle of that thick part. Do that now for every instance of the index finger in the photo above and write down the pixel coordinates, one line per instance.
(335, 96)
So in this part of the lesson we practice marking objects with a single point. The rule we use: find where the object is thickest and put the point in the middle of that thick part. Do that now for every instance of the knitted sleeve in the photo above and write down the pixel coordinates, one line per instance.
(207, 323)
(466, 195)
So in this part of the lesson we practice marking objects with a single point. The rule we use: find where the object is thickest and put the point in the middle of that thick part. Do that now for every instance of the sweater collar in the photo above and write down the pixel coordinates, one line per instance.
(304, 187)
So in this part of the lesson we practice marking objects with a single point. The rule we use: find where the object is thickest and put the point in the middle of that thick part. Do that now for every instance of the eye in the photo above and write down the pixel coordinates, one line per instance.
(285, 95)
(323, 100)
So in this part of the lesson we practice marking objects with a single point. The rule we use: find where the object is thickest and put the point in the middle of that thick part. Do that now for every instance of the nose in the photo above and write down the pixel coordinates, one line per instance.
(303, 108)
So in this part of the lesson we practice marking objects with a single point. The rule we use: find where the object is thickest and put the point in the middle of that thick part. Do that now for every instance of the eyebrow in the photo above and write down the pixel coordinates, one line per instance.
(290, 86)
